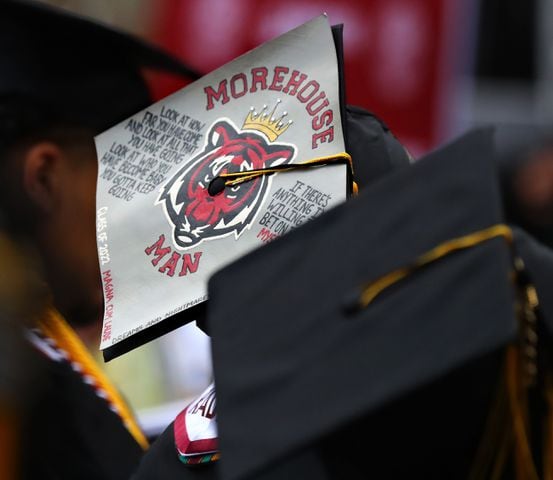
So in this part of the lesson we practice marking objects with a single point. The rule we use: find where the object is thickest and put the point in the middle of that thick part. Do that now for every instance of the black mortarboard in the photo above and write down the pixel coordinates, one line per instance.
(90, 73)
(312, 382)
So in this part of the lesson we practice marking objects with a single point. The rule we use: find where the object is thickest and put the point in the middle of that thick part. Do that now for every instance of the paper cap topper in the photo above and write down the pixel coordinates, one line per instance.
(215, 170)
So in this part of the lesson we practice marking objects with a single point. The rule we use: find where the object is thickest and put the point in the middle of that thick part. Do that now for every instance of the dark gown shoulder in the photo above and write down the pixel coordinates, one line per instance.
(70, 432)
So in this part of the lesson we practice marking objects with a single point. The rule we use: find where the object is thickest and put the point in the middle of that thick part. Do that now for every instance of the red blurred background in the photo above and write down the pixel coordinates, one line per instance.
(401, 56)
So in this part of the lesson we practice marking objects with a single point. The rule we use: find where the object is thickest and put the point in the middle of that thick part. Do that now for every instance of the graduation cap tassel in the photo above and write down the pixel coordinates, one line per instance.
(493, 451)
(523, 381)
(235, 178)
(523, 459)
(548, 437)
(506, 435)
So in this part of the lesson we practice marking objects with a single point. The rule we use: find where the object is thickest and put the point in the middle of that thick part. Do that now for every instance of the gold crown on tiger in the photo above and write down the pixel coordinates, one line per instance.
(266, 122)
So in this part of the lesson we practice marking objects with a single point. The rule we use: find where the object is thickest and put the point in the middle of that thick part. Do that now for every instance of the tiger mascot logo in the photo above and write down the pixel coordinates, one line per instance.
(194, 213)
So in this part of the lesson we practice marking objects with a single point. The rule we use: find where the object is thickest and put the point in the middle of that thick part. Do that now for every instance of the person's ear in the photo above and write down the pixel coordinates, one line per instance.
(41, 174)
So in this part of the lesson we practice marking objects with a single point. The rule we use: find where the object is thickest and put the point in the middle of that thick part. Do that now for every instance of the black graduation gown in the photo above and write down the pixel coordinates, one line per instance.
(70, 432)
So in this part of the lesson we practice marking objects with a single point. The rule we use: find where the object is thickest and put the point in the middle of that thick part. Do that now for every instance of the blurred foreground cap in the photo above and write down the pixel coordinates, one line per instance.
(312, 383)
(88, 73)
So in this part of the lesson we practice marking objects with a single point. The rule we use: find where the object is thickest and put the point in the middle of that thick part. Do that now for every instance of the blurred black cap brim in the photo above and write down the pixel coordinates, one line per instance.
(91, 73)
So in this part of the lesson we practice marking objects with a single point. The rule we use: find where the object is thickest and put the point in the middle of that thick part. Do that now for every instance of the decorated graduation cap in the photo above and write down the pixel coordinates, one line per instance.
(396, 336)
(242, 156)
(85, 72)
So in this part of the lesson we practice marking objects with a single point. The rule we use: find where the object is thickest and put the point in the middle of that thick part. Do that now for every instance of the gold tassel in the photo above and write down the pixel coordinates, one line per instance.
(518, 405)
(493, 450)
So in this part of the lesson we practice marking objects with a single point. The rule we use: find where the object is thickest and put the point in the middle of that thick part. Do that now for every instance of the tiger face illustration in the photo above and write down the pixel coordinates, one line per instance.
(194, 213)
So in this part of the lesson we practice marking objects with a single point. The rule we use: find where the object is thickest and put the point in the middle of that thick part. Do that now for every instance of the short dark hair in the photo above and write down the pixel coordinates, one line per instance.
(25, 120)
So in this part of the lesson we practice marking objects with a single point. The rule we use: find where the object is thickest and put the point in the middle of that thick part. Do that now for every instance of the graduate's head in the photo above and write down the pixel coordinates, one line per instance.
(64, 79)
(48, 169)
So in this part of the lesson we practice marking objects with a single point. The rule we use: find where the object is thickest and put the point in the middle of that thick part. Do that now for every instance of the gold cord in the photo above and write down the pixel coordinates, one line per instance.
(375, 288)
(236, 178)
(55, 327)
